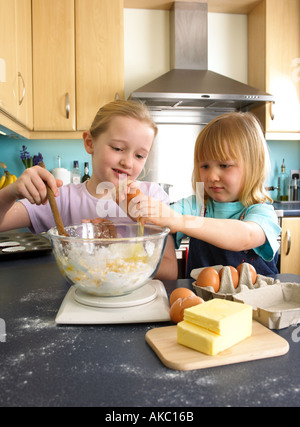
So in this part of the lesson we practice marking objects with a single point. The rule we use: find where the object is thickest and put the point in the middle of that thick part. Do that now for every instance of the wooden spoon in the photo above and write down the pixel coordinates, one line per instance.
(55, 212)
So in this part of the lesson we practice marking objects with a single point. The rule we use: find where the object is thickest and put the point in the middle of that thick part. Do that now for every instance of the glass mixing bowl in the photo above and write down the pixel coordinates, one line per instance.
(102, 265)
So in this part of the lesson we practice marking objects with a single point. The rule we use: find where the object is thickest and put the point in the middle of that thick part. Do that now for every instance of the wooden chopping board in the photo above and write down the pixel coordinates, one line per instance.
(261, 345)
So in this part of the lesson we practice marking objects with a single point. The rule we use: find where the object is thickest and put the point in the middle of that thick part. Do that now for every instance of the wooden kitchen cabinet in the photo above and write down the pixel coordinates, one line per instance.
(215, 6)
(99, 56)
(16, 61)
(78, 61)
(273, 62)
(53, 29)
(290, 246)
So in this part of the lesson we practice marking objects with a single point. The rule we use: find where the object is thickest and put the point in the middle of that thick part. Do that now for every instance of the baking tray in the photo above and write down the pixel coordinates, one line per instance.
(21, 245)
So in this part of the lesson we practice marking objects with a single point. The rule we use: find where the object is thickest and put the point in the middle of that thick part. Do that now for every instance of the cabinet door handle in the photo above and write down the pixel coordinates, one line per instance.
(272, 115)
(67, 105)
(24, 88)
(289, 241)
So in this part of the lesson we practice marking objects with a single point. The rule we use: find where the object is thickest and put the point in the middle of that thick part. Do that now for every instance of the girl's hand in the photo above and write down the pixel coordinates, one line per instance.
(126, 189)
(156, 212)
(31, 185)
(125, 192)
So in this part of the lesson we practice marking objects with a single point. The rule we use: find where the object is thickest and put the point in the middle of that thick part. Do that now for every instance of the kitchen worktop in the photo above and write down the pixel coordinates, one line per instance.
(286, 209)
(42, 364)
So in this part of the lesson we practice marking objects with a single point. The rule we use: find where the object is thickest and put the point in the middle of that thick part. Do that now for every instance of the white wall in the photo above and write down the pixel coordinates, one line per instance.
(228, 45)
(146, 34)
(147, 46)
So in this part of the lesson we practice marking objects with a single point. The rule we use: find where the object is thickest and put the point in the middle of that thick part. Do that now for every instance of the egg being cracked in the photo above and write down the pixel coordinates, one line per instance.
(209, 277)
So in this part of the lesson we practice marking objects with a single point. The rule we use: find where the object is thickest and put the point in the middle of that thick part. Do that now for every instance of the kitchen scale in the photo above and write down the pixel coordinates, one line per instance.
(147, 304)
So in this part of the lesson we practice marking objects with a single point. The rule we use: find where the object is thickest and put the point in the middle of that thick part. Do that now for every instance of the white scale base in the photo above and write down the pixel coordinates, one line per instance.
(147, 304)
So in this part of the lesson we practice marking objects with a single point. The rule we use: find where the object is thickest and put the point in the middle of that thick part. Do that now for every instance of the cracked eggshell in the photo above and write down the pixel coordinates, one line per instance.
(178, 307)
(181, 293)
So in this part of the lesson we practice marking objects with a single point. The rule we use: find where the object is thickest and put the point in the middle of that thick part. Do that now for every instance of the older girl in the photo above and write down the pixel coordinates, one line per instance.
(119, 142)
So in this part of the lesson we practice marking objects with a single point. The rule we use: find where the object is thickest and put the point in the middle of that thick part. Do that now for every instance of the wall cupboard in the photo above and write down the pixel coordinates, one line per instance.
(53, 30)
(77, 58)
(78, 61)
(15, 61)
(99, 56)
(274, 61)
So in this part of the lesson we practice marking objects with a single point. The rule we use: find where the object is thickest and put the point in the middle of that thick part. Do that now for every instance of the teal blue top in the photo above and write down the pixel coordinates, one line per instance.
(261, 213)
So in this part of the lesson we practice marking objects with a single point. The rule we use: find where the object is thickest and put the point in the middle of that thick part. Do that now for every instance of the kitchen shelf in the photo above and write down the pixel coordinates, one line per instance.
(217, 6)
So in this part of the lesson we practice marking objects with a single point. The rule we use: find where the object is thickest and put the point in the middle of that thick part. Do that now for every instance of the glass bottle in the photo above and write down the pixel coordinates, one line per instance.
(283, 183)
(294, 187)
(86, 175)
(76, 174)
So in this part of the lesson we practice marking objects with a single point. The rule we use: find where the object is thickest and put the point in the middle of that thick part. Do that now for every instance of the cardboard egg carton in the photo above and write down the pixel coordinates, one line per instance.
(227, 290)
(276, 305)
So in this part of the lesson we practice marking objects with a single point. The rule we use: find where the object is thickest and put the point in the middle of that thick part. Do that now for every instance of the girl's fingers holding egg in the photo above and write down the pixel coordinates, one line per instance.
(132, 187)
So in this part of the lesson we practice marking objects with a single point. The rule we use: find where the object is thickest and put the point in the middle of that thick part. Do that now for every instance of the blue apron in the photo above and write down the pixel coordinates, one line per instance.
(203, 254)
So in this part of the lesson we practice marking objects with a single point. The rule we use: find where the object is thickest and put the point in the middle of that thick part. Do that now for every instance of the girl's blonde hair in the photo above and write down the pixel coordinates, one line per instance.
(238, 137)
(108, 112)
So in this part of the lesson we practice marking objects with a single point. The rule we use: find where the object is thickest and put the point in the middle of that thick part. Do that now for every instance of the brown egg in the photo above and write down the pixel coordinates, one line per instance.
(209, 277)
(180, 293)
(132, 192)
(178, 307)
(234, 275)
(252, 271)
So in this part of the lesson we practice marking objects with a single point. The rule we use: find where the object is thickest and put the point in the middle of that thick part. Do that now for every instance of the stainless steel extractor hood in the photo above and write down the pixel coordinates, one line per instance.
(189, 85)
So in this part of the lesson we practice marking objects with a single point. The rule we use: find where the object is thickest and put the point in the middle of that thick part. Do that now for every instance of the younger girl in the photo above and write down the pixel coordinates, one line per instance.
(234, 224)
(119, 142)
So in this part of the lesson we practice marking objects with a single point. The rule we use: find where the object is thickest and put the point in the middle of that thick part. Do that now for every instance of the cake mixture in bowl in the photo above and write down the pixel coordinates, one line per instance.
(109, 260)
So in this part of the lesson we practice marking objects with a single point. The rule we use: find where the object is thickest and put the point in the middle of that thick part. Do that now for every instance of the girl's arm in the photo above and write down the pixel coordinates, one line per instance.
(30, 185)
(168, 269)
(230, 234)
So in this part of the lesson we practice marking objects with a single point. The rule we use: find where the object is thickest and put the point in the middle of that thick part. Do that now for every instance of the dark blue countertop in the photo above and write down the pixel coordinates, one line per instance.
(42, 364)
(287, 209)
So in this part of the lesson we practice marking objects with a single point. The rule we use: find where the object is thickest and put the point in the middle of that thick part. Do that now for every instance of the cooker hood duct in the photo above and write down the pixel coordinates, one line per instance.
(189, 85)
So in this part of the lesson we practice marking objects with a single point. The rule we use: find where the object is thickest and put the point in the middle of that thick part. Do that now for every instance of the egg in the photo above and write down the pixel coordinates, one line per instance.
(180, 293)
(234, 275)
(209, 277)
(252, 271)
(178, 307)
(131, 193)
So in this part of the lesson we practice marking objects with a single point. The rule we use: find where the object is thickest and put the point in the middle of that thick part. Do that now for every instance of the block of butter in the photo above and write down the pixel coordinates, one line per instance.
(214, 326)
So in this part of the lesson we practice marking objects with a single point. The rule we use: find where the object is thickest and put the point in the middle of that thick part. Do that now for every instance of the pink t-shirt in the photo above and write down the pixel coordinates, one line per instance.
(75, 203)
